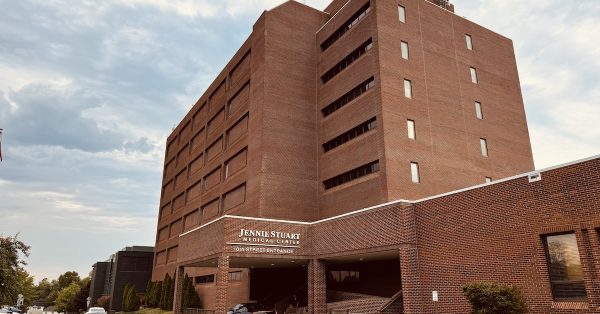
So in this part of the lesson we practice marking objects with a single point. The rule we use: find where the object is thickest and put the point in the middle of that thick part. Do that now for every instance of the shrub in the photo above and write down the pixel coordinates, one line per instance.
(131, 301)
(104, 301)
(190, 296)
(494, 298)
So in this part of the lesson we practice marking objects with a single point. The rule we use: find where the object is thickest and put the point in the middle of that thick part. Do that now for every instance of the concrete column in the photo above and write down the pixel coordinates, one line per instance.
(317, 287)
(222, 278)
(178, 293)
(409, 269)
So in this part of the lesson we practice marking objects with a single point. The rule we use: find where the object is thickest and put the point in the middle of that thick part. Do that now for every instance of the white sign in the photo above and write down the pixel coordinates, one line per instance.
(434, 296)
(263, 241)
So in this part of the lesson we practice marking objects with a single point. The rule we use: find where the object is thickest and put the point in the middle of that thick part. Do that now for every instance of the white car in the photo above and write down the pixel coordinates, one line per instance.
(96, 310)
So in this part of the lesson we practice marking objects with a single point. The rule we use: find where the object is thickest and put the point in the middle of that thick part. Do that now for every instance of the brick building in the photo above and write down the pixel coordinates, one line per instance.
(281, 185)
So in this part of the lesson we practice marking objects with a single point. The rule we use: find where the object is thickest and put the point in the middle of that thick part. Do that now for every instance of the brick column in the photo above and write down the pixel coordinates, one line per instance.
(178, 294)
(317, 287)
(409, 268)
(589, 253)
(222, 278)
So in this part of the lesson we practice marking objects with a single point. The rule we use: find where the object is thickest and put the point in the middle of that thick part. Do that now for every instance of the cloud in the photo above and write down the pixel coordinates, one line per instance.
(43, 115)
(559, 66)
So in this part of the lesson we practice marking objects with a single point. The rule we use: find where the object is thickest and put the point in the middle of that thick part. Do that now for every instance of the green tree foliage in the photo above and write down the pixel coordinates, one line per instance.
(65, 298)
(190, 296)
(26, 287)
(80, 300)
(166, 293)
(155, 294)
(131, 301)
(11, 263)
(494, 298)
(67, 279)
(42, 293)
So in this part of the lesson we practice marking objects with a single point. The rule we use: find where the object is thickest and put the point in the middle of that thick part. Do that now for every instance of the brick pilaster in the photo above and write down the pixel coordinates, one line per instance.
(178, 293)
(222, 279)
(409, 270)
(589, 255)
(317, 287)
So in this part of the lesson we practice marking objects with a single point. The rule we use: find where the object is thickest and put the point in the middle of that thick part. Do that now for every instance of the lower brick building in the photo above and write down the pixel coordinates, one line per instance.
(539, 231)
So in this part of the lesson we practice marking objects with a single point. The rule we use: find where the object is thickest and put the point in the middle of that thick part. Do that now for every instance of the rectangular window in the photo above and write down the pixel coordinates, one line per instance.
(407, 89)
(488, 179)
(414, 172)
(469, 41)
(351, 134)
(351, 175)
(473, 75)
(353, 56)
(478, 111)
(484, 148)
(204, 279)
(404, 49)
(350, 23)
(235, 276)
(410, 125)
(564, 267)
(401, 14)
(349, 96)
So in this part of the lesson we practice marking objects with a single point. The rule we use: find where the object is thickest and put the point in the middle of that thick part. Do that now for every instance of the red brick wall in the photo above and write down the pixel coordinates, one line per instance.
(494, 233)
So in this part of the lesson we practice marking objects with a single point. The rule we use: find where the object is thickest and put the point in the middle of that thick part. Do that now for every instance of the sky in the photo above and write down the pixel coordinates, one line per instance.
(89, 91)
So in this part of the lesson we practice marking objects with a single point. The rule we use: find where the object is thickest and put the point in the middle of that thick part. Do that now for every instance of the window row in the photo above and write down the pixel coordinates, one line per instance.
(351, 175)
(351, 134)
(353, 56)
(348, 97)
(352, 21)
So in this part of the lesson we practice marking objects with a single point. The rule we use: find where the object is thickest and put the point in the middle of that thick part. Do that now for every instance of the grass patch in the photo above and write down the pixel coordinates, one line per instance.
(151, 311)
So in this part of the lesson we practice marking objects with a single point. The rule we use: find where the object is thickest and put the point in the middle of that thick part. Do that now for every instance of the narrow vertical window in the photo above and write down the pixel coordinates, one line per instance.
(488, 179)
(404, 49)
(484, 148)
(564, 267)
(478, 111)
(414, 172)
(469, 41)
(410, 125)
(407, 89)
(473, 75)
(401, 14)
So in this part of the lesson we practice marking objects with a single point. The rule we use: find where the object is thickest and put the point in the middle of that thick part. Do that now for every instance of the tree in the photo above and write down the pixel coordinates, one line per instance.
(190, 296)
(164, 296)
(42, 293)
(131, 301)
(155, 294)
(80, 300)
(11, 264)
(67, 278)
(25, 287)
(66, 297)
(494, 298)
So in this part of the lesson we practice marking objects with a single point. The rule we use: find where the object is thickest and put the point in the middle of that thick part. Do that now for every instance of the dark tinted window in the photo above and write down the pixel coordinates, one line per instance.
(205, 279)
(564, 267)
(351, 175)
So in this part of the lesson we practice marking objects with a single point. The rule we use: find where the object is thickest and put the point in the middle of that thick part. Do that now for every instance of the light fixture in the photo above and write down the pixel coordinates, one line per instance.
(361, 259)
(272, 264)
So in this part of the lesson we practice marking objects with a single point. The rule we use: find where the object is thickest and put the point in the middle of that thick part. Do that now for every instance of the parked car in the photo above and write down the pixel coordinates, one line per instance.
(96, 310)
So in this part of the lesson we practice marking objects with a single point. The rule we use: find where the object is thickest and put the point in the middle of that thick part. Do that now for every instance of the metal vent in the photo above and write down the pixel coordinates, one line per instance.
(534, 177)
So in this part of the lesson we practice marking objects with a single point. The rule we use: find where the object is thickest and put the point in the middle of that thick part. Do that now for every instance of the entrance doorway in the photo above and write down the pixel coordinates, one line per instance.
(276, 284)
